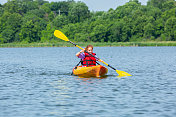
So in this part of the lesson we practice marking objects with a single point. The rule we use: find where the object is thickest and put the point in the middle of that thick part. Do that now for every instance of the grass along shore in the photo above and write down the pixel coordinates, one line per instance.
(96, 44)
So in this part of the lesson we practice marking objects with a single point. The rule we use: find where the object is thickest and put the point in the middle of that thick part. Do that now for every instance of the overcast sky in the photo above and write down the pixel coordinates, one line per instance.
(98, 5)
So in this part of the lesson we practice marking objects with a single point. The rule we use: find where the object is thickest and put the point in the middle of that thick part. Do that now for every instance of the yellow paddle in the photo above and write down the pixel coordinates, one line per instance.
(60, 35)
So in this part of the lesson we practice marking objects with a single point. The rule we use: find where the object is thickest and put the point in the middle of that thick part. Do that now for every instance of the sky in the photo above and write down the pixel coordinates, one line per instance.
(97, 5)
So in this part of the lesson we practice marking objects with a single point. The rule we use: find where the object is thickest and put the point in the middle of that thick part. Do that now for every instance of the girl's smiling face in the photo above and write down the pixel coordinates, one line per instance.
(90, 50)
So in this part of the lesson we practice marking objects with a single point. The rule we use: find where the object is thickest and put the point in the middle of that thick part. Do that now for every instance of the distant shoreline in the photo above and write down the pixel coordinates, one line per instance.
(95, 44)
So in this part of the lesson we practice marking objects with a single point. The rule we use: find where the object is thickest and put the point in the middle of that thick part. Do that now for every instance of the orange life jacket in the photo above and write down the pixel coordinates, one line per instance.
(89, 60)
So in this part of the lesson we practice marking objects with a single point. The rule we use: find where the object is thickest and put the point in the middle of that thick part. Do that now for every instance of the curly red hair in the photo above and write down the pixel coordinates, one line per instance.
(88, 47)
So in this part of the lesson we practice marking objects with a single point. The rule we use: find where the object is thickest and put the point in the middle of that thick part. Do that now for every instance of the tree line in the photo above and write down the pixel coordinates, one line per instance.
(35, 21)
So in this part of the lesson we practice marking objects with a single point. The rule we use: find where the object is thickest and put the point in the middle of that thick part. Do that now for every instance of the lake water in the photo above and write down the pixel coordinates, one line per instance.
(36, 82)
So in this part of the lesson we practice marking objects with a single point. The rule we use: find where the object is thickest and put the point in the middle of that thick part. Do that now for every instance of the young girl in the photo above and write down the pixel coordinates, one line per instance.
(88, 60)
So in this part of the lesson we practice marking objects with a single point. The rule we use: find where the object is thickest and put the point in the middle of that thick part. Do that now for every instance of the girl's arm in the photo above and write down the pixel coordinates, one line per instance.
(77, 54)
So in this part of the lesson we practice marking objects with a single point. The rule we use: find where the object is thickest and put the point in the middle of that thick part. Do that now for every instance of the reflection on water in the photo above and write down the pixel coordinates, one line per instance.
(61, 95)
(37, 82)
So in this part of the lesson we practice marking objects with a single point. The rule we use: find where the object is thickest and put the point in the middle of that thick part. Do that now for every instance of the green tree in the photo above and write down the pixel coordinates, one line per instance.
(169, 4)
(162, 4)
(46, 8)
(159, 27)
(170, 28)
(168, 14)
(38, 12)
(1, 39)
(149, 30)
(119, 32)
(41, 2)
(3, 21)
(31, 29)
(99, 33)
(10, 27)
(47, 34)
(156, 3)
(60, 21)
(1, 10)
(78, 12)
(138, 26)
(61, 7)
(7, 35)
(18, 6)
(136, 1)
(127, 10)
(51, 16)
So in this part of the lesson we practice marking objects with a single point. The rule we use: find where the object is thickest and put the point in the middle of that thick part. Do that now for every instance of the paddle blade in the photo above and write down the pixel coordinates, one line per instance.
(122, 73)
(60, 35)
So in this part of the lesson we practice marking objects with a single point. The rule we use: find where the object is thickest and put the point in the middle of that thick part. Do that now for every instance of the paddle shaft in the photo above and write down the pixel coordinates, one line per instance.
(76, 45)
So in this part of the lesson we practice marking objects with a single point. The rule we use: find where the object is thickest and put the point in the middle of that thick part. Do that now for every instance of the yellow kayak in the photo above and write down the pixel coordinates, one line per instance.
(94, 71)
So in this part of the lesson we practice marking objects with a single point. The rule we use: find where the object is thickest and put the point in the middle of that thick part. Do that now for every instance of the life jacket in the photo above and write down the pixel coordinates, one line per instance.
(89, 60)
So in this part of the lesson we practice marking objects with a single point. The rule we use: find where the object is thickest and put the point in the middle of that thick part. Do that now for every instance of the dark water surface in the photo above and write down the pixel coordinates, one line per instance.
(36, 82)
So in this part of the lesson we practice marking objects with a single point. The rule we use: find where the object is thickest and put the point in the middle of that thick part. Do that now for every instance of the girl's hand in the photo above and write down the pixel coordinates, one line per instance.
(77, 54)
(100, 60)
(82, 50)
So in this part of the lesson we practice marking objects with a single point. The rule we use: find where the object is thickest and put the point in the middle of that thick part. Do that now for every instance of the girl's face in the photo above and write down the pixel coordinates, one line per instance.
(90, 50)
